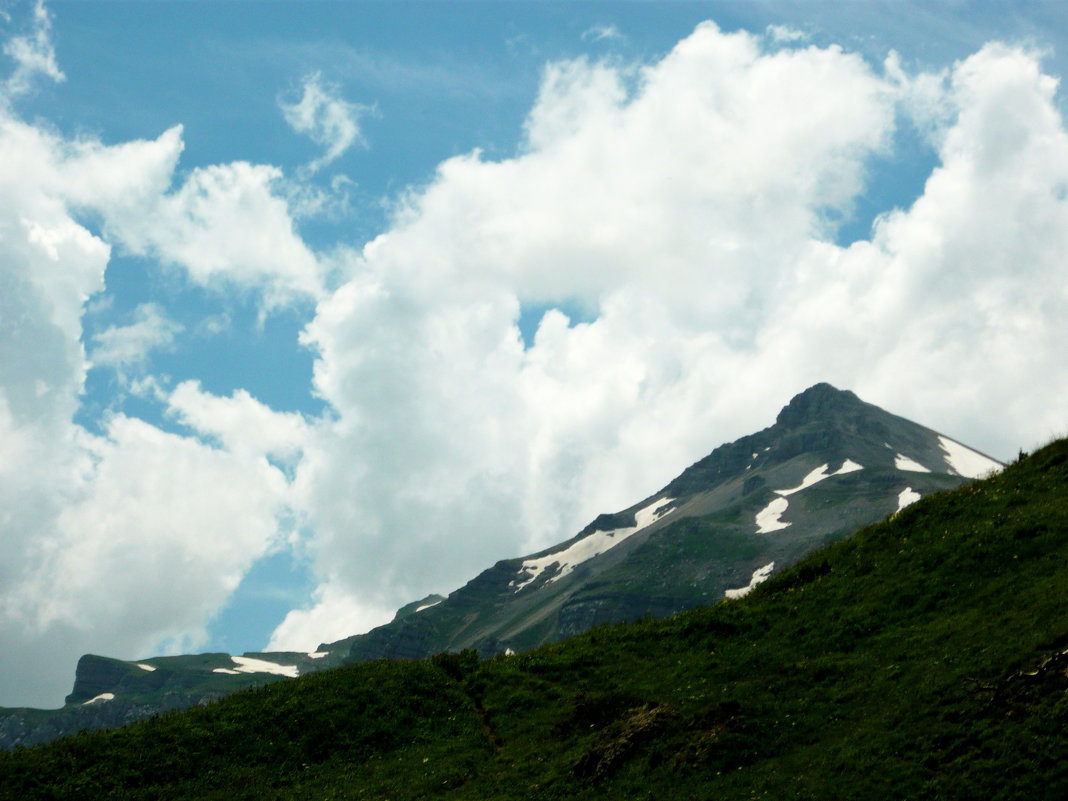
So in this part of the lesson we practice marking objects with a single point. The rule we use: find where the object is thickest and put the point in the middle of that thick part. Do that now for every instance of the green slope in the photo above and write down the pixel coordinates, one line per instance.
(891, 665)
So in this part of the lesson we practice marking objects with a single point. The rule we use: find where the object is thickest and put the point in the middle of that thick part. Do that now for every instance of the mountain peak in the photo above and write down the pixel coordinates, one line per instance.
(815, 402)
(830, 464)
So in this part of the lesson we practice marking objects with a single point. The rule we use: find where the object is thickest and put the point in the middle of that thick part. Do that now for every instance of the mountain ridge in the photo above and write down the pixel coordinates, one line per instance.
(820, 427)
(729, 521)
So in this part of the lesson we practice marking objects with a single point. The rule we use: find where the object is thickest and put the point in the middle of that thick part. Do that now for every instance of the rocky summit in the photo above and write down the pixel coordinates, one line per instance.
(829, 465)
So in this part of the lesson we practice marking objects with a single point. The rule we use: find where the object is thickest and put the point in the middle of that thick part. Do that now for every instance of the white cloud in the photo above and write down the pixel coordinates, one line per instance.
(139, 521)
(306, 200)
(687, 205)
(129, 345)
(330, 122)
(159, 534)
(49, 266)
(225, 227)
(785, 34)
(333, 616)
(690, 211)
(130, 542)
(33, 54)
(121, 180)
(664, 210)
(241, 423)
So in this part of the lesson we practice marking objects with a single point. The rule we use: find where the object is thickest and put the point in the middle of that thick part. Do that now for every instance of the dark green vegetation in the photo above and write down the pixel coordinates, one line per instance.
(921, 658)
(141, 690)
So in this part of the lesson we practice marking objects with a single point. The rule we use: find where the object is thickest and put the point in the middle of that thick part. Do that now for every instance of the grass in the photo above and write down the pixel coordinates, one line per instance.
(892, 664)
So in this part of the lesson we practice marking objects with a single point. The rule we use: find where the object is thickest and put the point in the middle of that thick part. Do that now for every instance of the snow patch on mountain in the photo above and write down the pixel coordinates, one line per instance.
(99, 698)
(760, 575)
(966, 462)
(902, 462)
(814, 477)
(819, 474)
(427, 606)
(907, 497)
(767, 519)
(317, 654)
(143, 666)
(247, 664)
(588, 547)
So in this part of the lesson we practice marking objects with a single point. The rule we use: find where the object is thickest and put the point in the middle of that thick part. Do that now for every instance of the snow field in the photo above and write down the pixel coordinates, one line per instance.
(759, 575)
(820, 473)
(907, 497)
(588, 547)
(767, 519)
(905, 463)
(966, 462)
(247, 664)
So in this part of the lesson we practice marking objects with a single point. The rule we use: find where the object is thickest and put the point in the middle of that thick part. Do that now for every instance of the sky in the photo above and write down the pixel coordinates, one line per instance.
(308, 310)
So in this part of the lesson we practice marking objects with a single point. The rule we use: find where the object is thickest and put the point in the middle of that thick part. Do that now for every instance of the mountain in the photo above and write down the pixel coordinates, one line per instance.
(829, 465)
(923, 657)
(112, 692)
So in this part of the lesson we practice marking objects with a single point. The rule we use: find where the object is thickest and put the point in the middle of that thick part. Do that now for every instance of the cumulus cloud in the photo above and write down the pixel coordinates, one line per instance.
(159, 534)
(334, 614)
(330, 121)
(49, 266)
(225, 227)
(240, 423)
(688, 207)
(33, 53)
(785, 34)
(93, 527)
(692, 212)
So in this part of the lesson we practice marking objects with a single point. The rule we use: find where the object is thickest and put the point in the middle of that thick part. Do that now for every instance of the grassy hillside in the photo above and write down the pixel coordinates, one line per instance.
(921, 658)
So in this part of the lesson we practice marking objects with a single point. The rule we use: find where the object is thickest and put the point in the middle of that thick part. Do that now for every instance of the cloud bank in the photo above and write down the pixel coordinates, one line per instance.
(689, 206)
(129, 540)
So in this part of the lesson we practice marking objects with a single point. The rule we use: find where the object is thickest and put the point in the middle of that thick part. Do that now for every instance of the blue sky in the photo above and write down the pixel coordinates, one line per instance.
(308, 310)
